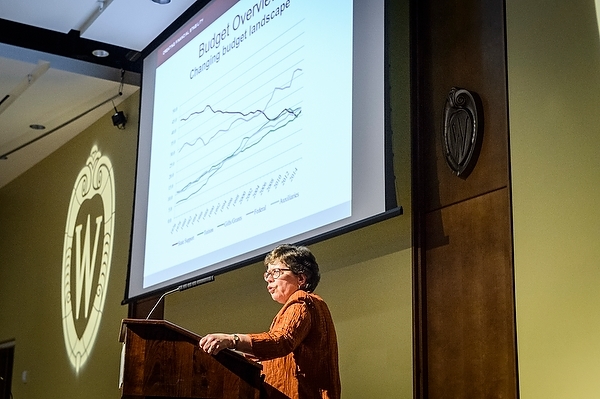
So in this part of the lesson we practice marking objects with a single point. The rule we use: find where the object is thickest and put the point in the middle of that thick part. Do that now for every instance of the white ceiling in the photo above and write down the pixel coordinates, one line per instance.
(54, 90)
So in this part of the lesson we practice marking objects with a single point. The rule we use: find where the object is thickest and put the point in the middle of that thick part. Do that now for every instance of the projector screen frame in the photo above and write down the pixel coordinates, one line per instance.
(392, 208)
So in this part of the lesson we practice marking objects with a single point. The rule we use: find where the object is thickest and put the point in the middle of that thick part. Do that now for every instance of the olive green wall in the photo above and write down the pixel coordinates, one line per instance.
(366, 273)
(554, 99)
(33, 216)
(554, 81)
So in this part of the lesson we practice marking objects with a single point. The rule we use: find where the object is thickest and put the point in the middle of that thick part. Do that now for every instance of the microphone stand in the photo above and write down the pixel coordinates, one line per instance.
(182, 287)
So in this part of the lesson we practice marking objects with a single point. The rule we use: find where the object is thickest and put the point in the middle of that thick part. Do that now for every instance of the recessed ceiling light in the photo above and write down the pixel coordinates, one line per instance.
(100, 53)
(162, 1)
(36, 126)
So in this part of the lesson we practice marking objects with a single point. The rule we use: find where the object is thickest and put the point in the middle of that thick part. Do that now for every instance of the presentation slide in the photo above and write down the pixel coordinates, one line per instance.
(251, 131)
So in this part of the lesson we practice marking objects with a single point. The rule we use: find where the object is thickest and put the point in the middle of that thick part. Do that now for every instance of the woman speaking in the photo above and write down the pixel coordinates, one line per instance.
(299, 353)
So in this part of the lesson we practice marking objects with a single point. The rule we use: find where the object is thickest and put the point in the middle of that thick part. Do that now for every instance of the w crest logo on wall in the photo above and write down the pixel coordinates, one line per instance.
(461, 135)
(87, 256)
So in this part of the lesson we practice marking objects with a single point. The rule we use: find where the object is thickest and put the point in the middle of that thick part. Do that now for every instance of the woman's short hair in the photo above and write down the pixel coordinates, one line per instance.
(300, 260)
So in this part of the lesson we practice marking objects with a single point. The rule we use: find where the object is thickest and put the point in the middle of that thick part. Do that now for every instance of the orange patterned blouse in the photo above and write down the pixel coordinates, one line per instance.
(299, 353)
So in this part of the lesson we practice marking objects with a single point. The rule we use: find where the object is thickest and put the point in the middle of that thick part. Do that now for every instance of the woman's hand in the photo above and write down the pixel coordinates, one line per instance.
(215, 343)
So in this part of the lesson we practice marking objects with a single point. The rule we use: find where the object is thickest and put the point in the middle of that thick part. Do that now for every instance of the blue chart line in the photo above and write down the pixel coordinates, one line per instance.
(272, 124)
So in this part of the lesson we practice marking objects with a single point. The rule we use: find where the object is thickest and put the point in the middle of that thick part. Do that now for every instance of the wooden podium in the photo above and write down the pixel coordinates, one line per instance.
(162, 360)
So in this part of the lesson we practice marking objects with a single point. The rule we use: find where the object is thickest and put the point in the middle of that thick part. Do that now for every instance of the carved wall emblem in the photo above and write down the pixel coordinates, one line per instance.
(87, 256)
(460, 135)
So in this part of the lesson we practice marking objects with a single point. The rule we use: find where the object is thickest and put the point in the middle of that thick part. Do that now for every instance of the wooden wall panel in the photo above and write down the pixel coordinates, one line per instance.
(462, 46)
(465, 342)
(469, 291)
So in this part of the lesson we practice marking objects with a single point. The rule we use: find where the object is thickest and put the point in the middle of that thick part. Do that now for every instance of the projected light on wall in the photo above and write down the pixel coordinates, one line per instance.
(87, 256)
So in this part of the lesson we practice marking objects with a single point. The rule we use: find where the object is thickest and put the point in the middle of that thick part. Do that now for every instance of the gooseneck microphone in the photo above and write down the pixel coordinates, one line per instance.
(182, 287)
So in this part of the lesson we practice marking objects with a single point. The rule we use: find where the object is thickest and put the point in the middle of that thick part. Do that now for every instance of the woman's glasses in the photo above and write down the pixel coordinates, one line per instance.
(275, 273)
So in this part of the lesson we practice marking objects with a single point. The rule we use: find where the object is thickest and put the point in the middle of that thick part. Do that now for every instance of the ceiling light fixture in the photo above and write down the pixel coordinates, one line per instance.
(36, 126)
(100, 53)
(162, 1)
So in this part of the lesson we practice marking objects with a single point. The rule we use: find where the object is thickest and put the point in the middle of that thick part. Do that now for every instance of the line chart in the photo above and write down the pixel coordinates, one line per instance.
(230, 134)
(236, 131)
(243, 116)
(246, 143)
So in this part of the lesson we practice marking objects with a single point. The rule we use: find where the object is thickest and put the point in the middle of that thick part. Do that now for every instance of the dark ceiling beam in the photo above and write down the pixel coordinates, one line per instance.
(69, 45)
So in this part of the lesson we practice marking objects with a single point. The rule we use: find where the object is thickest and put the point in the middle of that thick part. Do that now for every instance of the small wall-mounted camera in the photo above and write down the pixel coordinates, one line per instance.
(119, 119)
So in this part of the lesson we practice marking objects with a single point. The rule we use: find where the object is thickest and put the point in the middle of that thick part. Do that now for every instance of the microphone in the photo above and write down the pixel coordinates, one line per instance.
(195, 283)
(182, 287)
